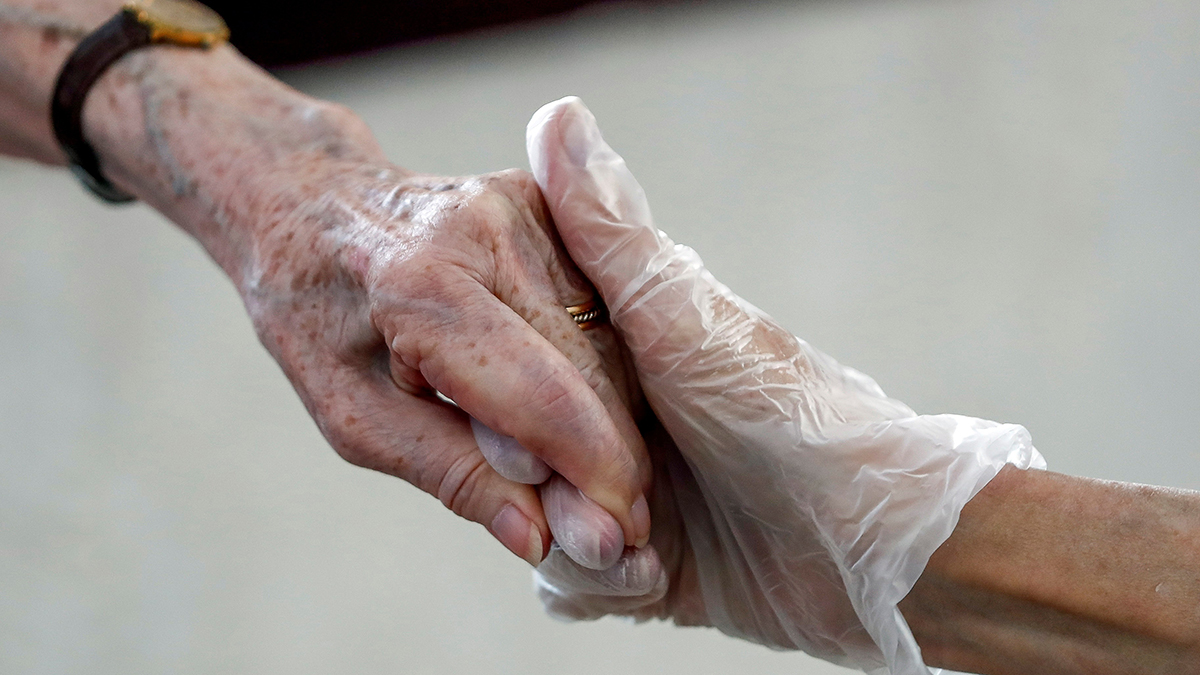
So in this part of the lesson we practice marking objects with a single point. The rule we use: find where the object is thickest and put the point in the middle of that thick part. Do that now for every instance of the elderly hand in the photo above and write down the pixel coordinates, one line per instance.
(374, 288)
(795, 504)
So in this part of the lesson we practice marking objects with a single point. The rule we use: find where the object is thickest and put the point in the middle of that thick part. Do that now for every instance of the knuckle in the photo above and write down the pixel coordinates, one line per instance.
(408, 288)
(619, 461)
(524, 198)
(518, 180)
(497, 202)
(559, 396)
(412, 279)
(554, 397)
(415, 310)
(488, 213)
(462, 484)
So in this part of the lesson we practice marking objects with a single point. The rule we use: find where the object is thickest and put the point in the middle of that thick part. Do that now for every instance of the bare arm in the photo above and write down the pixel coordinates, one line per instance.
(199, 135)
(373, 286)
(1047, 573)
(34, 42)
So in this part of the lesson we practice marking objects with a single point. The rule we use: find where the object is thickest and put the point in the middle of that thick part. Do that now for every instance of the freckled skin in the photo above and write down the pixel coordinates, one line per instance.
(350, 283)
(371, 285)
(349, 264)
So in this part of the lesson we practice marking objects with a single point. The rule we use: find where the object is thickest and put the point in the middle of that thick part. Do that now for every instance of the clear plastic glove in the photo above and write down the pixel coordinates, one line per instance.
(795, 504)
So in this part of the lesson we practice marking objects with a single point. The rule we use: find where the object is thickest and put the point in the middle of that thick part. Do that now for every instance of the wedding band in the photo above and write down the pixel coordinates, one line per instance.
(587, 315)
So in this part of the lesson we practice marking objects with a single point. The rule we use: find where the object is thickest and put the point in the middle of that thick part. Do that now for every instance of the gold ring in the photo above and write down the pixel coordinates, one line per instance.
(587, 315)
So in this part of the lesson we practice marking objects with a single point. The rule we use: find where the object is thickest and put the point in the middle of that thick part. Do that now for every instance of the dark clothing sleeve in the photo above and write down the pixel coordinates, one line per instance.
(279, 32)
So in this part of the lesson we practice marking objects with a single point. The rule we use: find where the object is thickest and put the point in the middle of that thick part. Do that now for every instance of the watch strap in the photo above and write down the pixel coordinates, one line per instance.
(94, 54)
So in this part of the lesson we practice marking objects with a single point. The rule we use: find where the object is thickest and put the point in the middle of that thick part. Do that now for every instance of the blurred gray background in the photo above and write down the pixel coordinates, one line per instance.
(992, 206)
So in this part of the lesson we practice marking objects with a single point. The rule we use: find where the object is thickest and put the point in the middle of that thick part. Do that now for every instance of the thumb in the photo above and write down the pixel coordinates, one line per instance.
(658, 293)
(598, 206)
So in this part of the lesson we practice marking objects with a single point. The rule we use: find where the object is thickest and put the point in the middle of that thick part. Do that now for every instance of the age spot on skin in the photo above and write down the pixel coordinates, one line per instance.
(50, 37)
(483, 360)
(183, 99)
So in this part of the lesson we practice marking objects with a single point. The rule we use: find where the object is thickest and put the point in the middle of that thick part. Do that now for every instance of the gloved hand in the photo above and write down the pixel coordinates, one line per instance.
(794, 503)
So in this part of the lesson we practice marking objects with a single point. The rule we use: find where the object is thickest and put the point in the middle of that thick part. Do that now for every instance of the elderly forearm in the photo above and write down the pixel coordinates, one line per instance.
(200, 135)
(35, 38)
(1053, 574)
(373, 287)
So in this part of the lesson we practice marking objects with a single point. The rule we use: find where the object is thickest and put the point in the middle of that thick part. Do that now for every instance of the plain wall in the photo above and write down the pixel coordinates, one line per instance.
(991, 206)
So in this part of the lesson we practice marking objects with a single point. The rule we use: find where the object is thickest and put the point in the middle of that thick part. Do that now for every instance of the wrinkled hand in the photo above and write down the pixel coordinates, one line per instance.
(373, 288)
(376, 289)
(794, 503)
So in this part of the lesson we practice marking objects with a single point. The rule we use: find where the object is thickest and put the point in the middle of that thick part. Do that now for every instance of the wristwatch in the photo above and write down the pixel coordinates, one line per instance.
(139, 23)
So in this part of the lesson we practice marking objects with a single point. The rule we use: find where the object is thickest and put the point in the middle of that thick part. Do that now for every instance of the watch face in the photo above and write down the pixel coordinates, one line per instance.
(181, 21)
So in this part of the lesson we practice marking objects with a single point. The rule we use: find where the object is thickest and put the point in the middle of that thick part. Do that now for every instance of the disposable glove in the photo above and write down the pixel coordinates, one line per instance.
(794, 503)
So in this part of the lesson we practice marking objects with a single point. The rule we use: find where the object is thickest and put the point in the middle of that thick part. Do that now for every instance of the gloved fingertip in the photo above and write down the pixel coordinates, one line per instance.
(637, 572)
(564, 126)
(610, 549)
(586, 532)
(577, 130)
(508, 457)
(591, 542)
(548, 113)
(599, 208)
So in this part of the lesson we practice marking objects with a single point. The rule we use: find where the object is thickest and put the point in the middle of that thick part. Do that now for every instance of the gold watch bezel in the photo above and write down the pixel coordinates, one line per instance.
(163, 30)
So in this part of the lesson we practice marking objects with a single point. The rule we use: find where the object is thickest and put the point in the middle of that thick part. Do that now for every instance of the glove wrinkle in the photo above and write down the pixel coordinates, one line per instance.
(795, 504)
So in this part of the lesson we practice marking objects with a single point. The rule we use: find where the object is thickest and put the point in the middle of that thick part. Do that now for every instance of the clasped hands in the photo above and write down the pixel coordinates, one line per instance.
(705, 465)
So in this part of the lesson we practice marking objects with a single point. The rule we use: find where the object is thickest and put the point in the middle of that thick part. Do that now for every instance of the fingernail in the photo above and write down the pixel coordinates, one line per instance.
(534, 552)
(640, 515)
(576, 135)
(595, 545)
(508, 457)
(518, 535)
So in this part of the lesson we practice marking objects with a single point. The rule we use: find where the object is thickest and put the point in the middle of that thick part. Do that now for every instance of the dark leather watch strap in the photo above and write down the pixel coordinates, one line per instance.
(87, 63)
